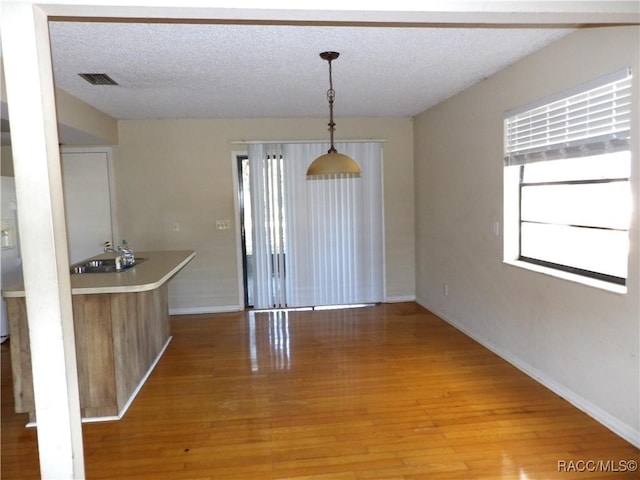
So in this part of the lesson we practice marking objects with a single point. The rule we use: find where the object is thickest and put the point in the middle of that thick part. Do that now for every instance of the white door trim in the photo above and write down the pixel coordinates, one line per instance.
(108, 151)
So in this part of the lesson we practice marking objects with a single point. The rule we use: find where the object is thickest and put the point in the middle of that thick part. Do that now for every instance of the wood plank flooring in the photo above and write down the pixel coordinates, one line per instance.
(385, 392)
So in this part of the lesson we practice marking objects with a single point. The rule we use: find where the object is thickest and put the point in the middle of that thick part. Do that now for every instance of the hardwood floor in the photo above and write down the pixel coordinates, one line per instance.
(385, 392)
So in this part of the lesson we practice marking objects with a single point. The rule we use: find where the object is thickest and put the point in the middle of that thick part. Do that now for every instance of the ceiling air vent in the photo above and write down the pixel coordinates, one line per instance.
(98, 78)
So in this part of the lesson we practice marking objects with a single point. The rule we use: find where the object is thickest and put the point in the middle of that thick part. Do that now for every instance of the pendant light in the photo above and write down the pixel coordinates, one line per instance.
(332, 162)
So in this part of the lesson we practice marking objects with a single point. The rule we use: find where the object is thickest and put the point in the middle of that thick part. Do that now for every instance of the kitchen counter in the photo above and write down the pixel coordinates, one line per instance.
(158, 268)
(121, 329)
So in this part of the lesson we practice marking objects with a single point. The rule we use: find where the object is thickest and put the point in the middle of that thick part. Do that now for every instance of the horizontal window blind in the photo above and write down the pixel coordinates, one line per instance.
(592, 119)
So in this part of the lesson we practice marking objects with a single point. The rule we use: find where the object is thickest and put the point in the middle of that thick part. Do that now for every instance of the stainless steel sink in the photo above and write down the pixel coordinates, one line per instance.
(105, 265)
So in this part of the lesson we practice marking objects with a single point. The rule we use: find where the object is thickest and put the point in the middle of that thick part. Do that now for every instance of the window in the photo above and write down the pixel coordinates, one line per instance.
(567, 187)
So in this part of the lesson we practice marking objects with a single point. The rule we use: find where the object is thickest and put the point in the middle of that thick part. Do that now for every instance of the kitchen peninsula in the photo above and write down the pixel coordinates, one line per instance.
(121, 324)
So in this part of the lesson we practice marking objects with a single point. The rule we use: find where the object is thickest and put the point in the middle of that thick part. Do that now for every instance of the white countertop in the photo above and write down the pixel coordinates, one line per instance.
(158, 268)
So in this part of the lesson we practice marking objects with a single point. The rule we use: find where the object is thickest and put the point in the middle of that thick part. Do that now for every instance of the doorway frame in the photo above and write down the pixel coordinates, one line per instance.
(240, 261)
(108, 151)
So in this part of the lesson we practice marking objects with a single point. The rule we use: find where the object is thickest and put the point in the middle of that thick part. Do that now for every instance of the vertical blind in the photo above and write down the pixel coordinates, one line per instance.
(269, 223)
(319, 241)
(592, 119)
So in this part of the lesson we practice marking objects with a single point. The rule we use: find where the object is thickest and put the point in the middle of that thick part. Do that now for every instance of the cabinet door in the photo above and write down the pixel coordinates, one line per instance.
(87, 197)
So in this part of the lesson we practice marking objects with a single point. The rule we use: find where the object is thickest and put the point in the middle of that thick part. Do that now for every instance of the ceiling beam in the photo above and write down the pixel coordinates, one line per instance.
(352, 12)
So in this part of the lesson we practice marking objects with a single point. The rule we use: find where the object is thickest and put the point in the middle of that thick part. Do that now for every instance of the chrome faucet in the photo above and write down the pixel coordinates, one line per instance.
(127, 258)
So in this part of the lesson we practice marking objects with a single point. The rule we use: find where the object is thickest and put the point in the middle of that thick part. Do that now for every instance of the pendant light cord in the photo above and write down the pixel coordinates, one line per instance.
(331, 95)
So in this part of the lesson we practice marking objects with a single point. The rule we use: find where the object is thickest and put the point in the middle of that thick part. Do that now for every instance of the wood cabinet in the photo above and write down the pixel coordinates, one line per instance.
(119, 337)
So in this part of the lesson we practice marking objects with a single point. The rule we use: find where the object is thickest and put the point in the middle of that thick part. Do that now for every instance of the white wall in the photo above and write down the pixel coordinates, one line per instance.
(180, 171)
(581, 341)
(78, 122)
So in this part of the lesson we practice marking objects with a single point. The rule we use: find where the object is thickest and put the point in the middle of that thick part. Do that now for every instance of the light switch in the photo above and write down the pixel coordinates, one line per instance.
(8, 237)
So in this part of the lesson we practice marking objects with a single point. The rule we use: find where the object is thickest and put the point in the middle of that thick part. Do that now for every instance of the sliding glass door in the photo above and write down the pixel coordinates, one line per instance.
(246, 227)
(311, 242)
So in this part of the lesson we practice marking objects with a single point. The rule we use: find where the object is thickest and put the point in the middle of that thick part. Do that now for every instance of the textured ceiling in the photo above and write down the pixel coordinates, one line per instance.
(209, 70)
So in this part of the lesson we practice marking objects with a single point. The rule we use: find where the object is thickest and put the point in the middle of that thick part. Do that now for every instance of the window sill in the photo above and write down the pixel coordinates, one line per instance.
(572, 277)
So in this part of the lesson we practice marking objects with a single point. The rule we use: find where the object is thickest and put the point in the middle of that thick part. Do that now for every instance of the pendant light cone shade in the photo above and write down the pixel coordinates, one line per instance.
(332, 162)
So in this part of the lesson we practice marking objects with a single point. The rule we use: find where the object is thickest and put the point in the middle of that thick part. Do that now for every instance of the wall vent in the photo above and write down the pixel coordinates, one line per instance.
(98, 78)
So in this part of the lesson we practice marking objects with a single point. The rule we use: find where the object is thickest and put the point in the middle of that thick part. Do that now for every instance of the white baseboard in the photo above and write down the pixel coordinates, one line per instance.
(400, 299)
(204, 310)
(618, 427)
